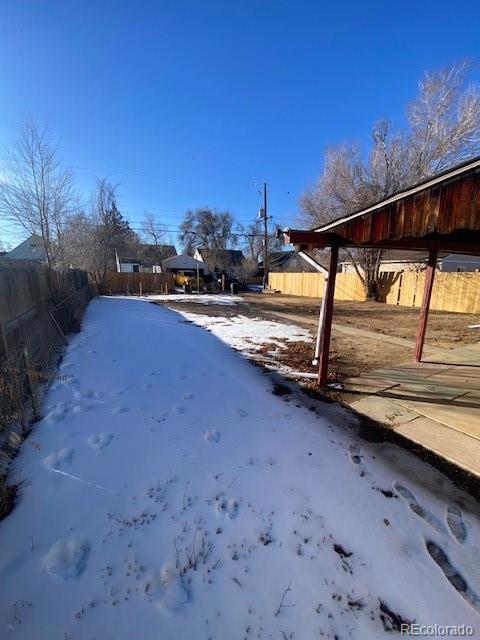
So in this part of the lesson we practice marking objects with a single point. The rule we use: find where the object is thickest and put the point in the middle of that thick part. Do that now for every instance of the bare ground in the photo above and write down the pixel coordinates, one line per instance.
(350, 355)
(445, 329)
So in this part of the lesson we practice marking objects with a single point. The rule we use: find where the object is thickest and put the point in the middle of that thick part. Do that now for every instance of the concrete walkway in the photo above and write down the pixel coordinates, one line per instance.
(435, 403)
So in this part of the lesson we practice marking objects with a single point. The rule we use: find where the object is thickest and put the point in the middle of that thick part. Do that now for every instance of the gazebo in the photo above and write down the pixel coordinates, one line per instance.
(438, 214)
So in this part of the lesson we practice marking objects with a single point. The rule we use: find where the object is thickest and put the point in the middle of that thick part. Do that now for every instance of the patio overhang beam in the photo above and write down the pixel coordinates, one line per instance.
(315, 240)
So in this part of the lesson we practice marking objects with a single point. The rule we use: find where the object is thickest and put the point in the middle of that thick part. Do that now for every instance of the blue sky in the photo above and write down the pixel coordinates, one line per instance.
(190, 103)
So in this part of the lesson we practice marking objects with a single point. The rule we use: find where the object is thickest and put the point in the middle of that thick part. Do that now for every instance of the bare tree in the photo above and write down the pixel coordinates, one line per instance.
(36, 191)
(93, 240)
(210, 230)
(251, 239)
(154, 231)
(444, 122)
(245, 269)
(443, 129)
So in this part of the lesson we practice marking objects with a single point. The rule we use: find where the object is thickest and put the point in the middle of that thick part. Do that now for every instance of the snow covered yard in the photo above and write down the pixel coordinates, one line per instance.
(169, 494)
(251, 335)
(198, 298)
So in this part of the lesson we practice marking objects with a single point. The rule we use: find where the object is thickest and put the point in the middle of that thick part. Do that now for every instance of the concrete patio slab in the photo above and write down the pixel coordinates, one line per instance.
(366, 385)
(435, 403)
(425, 390)
(454, 446)
(455, 416)
(383, 410)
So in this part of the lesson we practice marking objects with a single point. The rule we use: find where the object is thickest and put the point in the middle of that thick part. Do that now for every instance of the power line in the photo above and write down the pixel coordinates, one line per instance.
(173, 229)
(244, 181)
(129, 214)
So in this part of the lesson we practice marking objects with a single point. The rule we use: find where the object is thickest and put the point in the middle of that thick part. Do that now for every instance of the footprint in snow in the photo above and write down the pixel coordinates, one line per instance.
(82, 408)
(188, 396)
(167, 590)
(212, 436)
(227, 507)
(241, 412)
(58, 413)
(178, 410)
(59, 460)
(67, 558)
(100, 440)
(119, 410)
(117, 392)
(85, 394)
(456, 523)
(420, 511)
(356, 457)
(457, 581)
(354, 451)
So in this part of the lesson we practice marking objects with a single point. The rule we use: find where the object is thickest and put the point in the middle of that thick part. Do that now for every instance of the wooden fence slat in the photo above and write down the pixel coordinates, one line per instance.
(133, 283)
(457, 292)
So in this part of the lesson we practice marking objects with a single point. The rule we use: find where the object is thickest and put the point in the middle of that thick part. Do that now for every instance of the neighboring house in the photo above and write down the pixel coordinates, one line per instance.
(297, 262)
(30, 249)
(460, 263)
(224, 260)
(394, 261)
(146, 259)
(185, 265)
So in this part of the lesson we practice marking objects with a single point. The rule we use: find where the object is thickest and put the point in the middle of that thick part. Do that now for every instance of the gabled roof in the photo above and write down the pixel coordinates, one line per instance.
(183, 261)
(229, 257)
(317, 256)
(30, 249)
(276, 259)
(149, 255)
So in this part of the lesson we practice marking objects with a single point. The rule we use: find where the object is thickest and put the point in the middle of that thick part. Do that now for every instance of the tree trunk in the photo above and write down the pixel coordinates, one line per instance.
(372, 291)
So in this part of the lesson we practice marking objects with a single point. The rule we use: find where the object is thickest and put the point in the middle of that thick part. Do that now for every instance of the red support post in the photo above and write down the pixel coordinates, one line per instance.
(327, 319)
(427, 295)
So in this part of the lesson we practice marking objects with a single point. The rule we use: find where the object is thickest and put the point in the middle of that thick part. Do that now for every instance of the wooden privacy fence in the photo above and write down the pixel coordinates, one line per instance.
(347, 285)
(457, 292)
(137, 283)
(38, 307)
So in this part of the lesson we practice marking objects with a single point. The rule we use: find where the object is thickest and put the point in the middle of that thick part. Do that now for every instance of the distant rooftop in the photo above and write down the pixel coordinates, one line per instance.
(30, 249)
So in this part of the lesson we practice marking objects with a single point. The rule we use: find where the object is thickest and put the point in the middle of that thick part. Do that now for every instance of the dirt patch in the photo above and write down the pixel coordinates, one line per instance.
(341, 551)
(445, 329)
(280, 390)
(7, 497)
(391, 621)
(349, 355)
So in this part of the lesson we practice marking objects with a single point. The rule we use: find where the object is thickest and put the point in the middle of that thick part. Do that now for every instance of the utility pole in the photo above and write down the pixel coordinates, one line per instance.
(265, 237)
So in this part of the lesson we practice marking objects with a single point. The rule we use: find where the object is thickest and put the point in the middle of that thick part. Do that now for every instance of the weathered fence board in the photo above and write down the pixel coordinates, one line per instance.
(137, 283)
(37, 307)
(457, 292)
